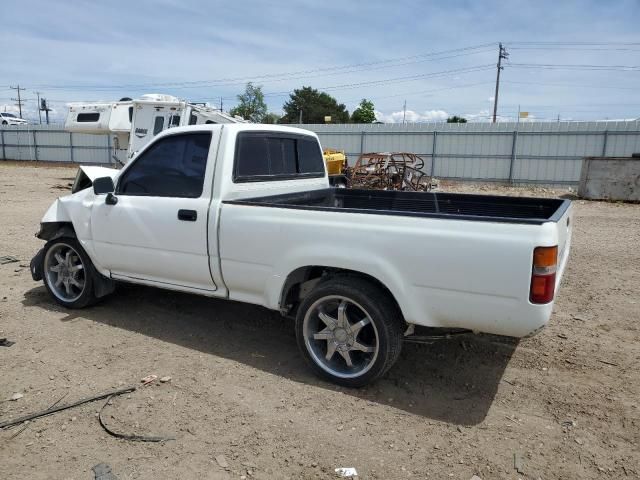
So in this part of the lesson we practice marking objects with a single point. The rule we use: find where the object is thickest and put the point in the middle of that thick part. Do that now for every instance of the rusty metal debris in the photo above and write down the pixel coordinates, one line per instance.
(129, 436)
(54, 409)
(390, 171)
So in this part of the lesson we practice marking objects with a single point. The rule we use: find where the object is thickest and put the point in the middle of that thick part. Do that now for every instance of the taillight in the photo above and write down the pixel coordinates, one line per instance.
(543, 275)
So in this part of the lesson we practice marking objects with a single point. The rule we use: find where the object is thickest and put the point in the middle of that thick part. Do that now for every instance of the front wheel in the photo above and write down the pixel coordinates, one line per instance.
(349, 330)
(68, 273)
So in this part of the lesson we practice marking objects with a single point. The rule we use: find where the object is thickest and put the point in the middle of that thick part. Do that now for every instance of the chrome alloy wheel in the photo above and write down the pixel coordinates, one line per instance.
(340, 336)
(65, 272)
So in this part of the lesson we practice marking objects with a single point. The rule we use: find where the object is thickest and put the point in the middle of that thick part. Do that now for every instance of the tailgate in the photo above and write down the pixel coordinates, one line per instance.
(564, 228)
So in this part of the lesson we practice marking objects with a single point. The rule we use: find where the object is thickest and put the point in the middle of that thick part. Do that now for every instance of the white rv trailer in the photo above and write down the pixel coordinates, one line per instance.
(131, 124)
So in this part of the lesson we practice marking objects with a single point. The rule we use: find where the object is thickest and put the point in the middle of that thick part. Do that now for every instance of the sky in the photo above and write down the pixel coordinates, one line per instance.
(572, 60)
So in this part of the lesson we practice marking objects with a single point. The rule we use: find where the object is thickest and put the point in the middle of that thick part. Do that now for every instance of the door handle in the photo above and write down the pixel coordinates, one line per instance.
(187, 215)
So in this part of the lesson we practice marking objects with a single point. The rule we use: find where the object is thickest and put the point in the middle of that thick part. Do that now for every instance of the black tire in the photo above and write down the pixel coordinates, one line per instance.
(80, 297)
(4, 122)
(385, 330)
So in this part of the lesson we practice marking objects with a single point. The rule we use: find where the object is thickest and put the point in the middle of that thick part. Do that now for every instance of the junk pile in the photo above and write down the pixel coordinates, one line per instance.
(390, 171)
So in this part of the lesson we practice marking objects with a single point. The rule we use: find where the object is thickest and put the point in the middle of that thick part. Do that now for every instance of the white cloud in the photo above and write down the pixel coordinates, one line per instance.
(487, 116)
(412, 117)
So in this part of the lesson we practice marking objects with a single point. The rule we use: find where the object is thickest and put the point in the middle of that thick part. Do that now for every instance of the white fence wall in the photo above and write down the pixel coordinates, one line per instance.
(548, 153)
(53, 144)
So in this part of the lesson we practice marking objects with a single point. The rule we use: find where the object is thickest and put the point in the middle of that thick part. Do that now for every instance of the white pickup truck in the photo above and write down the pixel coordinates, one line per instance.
(245, 212)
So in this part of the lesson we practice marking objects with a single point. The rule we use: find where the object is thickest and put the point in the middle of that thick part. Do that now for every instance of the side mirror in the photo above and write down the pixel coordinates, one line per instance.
(103, 185)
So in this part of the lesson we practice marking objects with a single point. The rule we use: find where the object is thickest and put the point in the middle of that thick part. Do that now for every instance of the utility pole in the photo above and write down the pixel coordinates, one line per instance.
(404, 112)
(39, 110)
(502, 54)
(19, 99)
(300, 117)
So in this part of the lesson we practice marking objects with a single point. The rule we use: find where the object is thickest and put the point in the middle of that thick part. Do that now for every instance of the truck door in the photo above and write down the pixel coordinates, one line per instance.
(157, 230)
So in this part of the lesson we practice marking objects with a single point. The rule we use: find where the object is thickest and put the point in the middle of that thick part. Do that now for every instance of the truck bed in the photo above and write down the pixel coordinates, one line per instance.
(491, 208)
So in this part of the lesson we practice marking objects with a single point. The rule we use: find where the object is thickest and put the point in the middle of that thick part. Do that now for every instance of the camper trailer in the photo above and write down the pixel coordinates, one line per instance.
(131, 124)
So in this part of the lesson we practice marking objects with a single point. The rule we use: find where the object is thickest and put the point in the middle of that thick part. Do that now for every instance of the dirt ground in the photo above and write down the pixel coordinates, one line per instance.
(241, 403)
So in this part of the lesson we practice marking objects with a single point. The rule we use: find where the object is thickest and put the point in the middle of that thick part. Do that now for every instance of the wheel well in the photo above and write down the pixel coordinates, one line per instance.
(52, 230)
(302, 280)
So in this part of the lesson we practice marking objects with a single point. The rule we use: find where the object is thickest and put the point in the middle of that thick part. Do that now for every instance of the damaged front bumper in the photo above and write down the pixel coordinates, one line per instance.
(36, 265)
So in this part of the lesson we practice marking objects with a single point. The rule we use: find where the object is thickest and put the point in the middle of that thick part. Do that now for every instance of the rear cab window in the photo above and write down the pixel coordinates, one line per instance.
(269, 156)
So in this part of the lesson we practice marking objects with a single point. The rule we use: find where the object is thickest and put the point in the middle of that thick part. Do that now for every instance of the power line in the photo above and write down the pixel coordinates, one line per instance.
(572, 85)
(552, 43)
(577, 48)
(580, 105)
(422, 92)
(441, 55)
(387, 81)
(560, 66)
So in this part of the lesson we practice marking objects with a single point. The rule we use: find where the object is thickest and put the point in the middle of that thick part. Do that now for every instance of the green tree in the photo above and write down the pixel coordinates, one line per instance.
(364, 113)
(456, 119)
(314, 106)
(251, 104)
(271, 118)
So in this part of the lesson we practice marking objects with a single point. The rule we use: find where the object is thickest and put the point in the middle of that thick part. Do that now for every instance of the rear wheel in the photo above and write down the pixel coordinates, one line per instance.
(68, 273)
(349, 331)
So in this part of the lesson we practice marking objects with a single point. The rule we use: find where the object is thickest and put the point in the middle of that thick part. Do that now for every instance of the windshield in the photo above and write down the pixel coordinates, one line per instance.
(10, 115)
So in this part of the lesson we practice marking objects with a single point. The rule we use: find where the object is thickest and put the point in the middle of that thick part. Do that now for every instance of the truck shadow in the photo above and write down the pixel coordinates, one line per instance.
(453, 380)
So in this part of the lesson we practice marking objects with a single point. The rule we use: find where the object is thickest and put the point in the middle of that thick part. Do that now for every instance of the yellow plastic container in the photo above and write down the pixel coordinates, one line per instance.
(335, 161)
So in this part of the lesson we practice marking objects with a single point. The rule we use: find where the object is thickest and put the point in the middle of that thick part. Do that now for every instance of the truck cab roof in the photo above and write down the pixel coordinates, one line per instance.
(238, 127)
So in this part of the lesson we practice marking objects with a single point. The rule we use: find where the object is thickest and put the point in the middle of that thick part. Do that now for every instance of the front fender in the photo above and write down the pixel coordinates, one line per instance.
(70, 215)
(57, 212)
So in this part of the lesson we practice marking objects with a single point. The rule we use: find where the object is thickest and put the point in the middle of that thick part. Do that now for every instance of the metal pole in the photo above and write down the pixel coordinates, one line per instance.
(362, 134)
(513, 155)
(71, 145)
(604, 143)
(4, 156)
(19, 99)
(108, 148)
(502, 53)
(39, 109)
(433, 152)
(35, 146)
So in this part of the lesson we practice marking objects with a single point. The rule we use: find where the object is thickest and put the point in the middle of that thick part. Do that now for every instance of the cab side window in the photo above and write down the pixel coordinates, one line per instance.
(174, 166)
(269, 156)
